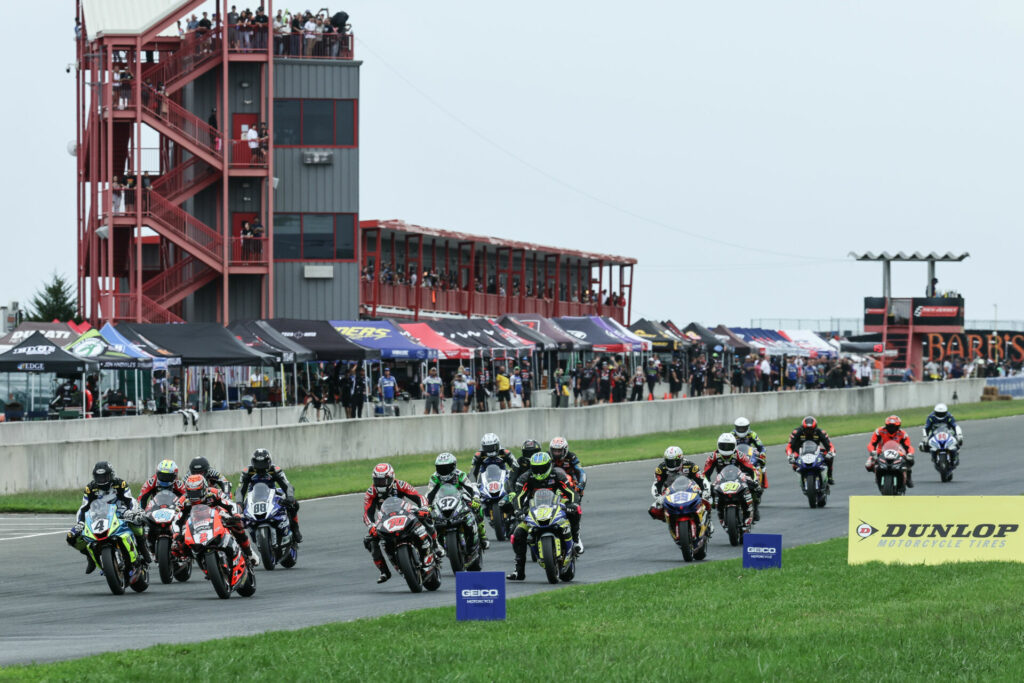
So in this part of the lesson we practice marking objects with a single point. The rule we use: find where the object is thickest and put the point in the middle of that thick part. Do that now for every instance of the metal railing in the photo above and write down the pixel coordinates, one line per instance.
(191, 172)
(245, 156)
(195, 50)
(185, 224)
(116, 306)
(179, 119)
(249, 251)
(176, 279)
(314, 46)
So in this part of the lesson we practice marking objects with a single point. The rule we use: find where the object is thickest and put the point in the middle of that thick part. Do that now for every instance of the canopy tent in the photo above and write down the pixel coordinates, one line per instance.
(498, 336)
(253, 341)
(424, 334)
(60, 333)
(117, 342)
(384, 336)
(805, 339)
(464, 334)
(93, 346)
(198, 343)
(773, 342)
(704, 335)
(662, 341)
(624, 333)
(523, 344)
(162, 357)
(541, 340)
(320, 337)
(742, 347)
(550, 328)
(586, 328)
(39, 354)
(293, 351)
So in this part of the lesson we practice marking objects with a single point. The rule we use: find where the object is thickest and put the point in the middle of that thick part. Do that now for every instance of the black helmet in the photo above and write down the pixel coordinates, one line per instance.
(199, 465)
(530, 446)
(809, 424)
(103, 474)
(261, 460)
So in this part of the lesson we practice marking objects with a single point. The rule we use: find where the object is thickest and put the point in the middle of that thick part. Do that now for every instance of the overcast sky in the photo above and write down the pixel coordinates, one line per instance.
(737, 150)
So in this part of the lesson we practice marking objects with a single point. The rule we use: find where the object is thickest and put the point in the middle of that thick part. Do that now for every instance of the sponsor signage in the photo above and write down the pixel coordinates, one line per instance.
(936, 529)
(971, 344)
(479, 596)
(31, 367)
(34, 350)
(925, 312)
(762, 551)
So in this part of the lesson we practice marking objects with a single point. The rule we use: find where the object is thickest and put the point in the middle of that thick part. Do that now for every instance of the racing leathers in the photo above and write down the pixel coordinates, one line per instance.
(273, 477)
(881, 437)
(150, 488)
(752, 493)
(127, 508)
(371, 504)
(948, 423)
(218, 481)
(750, 438)
(527, 484)
(800, 436)
(232, 518)
(460, 480)
(665, 475)
(570, 464)
(503, 458)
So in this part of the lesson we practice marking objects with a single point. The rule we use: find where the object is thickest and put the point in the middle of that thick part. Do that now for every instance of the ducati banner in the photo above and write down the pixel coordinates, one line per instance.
(936, 529)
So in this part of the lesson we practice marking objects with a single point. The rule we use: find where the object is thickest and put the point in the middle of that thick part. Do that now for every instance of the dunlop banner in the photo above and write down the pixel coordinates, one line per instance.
(936, 529)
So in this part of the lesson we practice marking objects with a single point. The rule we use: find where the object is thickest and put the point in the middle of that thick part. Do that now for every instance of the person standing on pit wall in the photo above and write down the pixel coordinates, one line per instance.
(504, 385)
(387, 387)
(431, 389)
(675, 377)
(526, 377)
(652, 375)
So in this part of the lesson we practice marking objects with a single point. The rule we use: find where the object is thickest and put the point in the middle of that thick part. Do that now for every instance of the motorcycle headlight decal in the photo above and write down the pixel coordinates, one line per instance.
(395, 524)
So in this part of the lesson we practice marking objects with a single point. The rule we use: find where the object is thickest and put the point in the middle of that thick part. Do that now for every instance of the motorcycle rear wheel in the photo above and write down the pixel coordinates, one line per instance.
(212, 563)
(163, 559)
(549, 558)
(732, 525)
(113, 574)
(811, 487)
(409, 569)
(248, 587)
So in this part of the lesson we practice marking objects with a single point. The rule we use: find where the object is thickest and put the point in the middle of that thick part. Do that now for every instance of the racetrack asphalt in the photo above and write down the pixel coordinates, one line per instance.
(51, 610)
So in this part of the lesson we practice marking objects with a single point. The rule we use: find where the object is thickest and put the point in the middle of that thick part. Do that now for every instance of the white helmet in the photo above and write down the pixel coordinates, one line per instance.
(726, 444)
(741, 427)
(490, 443)
(941, 411)
(673, 457)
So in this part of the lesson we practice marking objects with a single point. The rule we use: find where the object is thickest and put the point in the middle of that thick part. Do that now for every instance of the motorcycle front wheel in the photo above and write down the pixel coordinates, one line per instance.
(685, 539)
(213, 569)
(454, 550)
(732, 525)
(409, 569)
(549, 558)
(112, 572)
(163, 559)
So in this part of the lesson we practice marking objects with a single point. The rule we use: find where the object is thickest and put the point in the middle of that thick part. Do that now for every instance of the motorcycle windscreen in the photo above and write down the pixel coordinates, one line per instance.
(730, 473)
(260, 500)
(544, 497)
(163, 498)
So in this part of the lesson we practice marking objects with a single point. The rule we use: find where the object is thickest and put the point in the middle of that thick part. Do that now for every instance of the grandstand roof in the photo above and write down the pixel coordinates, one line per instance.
(128, 17)
(916, 256)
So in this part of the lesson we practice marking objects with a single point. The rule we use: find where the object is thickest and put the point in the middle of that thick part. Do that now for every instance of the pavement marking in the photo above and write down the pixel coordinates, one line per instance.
(45, 533)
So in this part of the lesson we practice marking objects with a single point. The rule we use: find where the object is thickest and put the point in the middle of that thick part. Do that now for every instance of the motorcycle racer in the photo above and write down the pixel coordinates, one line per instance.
(566, 460)
(941, 417)
(675, 465)
(891, 431)
(166, 477)
(809, 431)
(747, 436)
(726, 455)
(201, 465)
(104, 481)
(199, 492)
(491, 452)
(446, 472)
(263, 470)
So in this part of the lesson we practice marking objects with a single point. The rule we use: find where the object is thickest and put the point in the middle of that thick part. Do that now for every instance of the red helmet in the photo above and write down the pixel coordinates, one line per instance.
(383, 478)
(892, 424)
(195, 487)
(809, 424)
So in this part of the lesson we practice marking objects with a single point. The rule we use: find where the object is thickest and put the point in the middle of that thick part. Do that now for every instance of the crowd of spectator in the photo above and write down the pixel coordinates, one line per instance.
(305, 34)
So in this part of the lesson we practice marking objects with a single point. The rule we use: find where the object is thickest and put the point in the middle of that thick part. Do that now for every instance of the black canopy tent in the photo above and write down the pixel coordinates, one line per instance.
(320, 337)
(147, 345)
(259, 335)
(543, 341)
(199, 343)
(37, 354)
(661, 339)
(548, 327)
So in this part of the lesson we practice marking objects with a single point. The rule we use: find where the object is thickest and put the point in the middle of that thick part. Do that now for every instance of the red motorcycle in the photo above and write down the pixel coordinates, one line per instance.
(404, 539)
(218, 553)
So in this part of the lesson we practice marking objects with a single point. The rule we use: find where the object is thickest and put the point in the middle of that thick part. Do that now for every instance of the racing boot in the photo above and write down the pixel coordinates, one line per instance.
(577, 545)
(520, 572)
(296, 534)
(482, 530)
(910, 478)
(250, 557)
(147, 556)
(757, 512)
(385, 573)
(831, 480)
(90, 565)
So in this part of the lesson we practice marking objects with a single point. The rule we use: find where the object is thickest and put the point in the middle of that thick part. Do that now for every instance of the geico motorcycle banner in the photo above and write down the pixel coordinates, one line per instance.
(936, 529)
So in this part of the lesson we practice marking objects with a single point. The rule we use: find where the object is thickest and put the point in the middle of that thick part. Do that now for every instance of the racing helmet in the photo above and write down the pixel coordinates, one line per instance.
(559, 447)
(383, 479)
(195, 488)
(741, 427)
(673, 457)
(540, 465)
(490, 444)
(941, 411)
(103, 475)
(261, 460)
(726, 446)
(199, 465)
(530, 446)
(809, 424)
(166, 473)
(444, 465)
(892, 424)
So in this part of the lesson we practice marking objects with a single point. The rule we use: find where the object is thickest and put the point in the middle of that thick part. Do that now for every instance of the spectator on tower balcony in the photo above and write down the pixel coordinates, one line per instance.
(309, 34)
(260, 22)
(252, 137)
(212, 122)
(193, 24)
(264, 140)
(282, 32)
(233, 28)
(204, 24)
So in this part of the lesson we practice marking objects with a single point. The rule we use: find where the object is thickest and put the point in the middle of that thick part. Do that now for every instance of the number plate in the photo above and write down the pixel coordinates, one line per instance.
(259, 509)
(731, 487)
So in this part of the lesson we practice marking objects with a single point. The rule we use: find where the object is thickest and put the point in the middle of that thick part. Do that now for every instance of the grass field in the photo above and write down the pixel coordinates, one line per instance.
(347, 477)
(815, 619)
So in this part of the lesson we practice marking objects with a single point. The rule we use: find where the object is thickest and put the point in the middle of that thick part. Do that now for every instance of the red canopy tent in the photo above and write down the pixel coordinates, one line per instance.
(427, 336)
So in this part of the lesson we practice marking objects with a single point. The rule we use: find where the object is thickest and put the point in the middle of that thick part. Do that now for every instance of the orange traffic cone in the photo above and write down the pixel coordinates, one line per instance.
(665, 398)
(650, 397)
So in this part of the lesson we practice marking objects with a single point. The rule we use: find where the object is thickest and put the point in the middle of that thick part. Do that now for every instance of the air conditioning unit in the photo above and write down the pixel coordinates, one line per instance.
(318, 158)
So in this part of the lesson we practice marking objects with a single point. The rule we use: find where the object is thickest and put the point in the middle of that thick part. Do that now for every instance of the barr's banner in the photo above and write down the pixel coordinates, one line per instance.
(936, 529)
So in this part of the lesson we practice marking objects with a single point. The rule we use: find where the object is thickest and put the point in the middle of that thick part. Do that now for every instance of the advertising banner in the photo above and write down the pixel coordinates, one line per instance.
(762, 551)
(985, 344)
(479, 596)
(936, 529)
(924, 312)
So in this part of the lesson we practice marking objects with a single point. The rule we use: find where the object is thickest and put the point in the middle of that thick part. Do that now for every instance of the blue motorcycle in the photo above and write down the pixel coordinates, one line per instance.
(110, 542)
(266, 519)
(687, 520)
(945, 450)
(547, 525)
(811, 467)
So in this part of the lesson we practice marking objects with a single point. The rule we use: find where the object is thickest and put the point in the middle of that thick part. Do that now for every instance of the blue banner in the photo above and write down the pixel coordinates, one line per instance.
(1013, 386)
(383, 335)
(479, 596)
(762, 551)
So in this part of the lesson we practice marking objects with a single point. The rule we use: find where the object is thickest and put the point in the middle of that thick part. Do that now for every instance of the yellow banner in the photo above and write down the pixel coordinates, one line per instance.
(936, 529)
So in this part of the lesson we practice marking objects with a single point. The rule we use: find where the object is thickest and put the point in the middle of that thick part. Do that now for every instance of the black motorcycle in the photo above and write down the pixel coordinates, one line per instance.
(891, 470)
(162, 516)
(731, 491)
(457, 529)
(406, 543)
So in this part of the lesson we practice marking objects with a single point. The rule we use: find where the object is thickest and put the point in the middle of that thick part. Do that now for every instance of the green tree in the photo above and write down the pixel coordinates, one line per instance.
(55, 301)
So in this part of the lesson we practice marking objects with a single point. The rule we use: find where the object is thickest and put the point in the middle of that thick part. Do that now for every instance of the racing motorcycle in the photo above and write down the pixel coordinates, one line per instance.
(547, 523)
(811, 466)
(455, 521)
(687, 522)
(162, 516)
(945, 450)
(218, 553)
(730, 488)
(406, 543)
(494, 486)
(266, 520)
(110, 542)
(890, 469)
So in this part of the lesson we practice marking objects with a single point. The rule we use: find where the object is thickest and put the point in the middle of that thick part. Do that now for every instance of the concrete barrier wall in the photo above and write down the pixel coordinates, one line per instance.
(66, 464)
